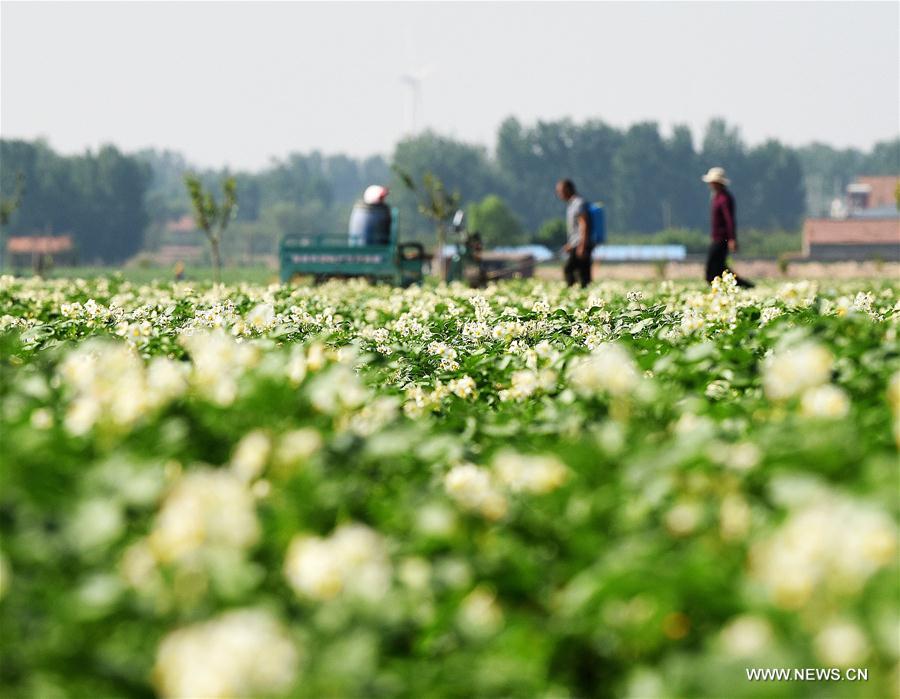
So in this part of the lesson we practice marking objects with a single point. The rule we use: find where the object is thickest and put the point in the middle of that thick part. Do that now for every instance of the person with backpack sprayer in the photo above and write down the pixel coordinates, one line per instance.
(585, 226)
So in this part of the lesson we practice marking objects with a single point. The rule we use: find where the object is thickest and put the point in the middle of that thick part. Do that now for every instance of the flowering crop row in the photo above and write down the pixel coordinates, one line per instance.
(527, 490)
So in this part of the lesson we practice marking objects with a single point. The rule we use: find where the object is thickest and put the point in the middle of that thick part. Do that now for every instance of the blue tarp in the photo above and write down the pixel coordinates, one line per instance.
(623, 253)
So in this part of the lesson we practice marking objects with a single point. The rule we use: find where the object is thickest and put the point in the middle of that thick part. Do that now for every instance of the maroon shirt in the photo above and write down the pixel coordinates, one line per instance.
(723, 225)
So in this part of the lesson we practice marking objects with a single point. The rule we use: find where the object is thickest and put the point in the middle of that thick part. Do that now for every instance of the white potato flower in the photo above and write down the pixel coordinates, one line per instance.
(769, 314)
(250, 455)
(96, 523)
(799, 294)
(41, 419)
(608, 368)
(372, 417)
(240, 653)
(166, 379)
(526, 382)
(218, 363)
(479, 614)
(442, 350)
(829, 402)
(434, 519)
(743, 456)
(336, 390)
(313, 569)
(746, 635)
(683, 518)
(734, 517)
(298, 445)
(463, 387)
(415, 573)
(474, 489)
(110, 386)
(530, 473)
(296, 366)
(352, 562)
(206, 508)
(788, 373)
(842, 644)
(261, 317)
(829, 543)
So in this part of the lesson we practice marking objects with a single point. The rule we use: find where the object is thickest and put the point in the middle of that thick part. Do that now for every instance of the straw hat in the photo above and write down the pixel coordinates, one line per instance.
(716, 174)
(375, 194)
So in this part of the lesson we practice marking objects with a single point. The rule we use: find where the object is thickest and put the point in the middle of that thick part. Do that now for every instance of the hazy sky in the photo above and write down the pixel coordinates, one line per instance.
(240, 83)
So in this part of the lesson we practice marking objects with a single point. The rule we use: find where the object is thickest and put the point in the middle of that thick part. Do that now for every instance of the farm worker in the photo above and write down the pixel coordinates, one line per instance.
(370, 220)
(578, 227)
(723, 226)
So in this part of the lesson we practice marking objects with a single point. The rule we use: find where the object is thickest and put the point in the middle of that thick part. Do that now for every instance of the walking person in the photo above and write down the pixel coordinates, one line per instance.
(578, 228)
(723, 227)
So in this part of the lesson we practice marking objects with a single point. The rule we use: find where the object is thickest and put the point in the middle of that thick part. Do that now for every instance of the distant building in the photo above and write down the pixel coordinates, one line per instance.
(38, 251)
(865, 226)
(171, 254)
(182, 225)
(878, 192)
(851, 239)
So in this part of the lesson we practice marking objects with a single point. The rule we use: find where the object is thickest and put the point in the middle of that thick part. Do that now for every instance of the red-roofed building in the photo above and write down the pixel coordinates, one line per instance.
(36, 250)
(852, 238)
(183, 225)
(38, 244)
(170, 254)
(865, 226)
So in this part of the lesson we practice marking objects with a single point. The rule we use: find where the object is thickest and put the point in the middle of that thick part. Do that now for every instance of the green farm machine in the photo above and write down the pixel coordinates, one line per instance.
(324, 257)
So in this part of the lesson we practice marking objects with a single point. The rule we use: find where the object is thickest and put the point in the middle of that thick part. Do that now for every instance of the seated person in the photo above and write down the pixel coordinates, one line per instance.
(370, 220)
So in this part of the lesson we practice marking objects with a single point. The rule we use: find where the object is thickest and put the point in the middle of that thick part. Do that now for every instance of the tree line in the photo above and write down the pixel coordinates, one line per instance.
(116, 204)
(99, 198)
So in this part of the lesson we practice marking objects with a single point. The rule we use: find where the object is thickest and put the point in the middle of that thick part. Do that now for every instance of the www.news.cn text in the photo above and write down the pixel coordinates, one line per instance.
(807, 674)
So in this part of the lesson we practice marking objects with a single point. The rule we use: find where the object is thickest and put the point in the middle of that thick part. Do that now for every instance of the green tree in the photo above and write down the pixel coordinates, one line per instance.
(774, 194)
(884, 159)
(552, 233)
(532, 159)
(436, 204)
(639, 196)
(212, 217)
(450, 165)
(308, 218)
(99, 198)
(166, 196)
(826, 173)
(8, 206)
(492, 218)
(723, 147)
(112, 216)
(245, 241)
(297, 178)
(685, 197)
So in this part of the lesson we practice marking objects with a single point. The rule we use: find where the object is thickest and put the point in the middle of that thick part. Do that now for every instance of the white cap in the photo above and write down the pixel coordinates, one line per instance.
(375, 194)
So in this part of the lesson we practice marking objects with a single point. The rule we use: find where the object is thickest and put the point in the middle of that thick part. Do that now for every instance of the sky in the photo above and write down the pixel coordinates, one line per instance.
(238, 83)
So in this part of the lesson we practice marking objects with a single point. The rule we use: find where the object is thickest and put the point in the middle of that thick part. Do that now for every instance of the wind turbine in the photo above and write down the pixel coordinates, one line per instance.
(413, 80)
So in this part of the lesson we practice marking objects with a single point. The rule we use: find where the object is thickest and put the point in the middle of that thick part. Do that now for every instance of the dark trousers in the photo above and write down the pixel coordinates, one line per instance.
(716, 263)
(578, 266)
